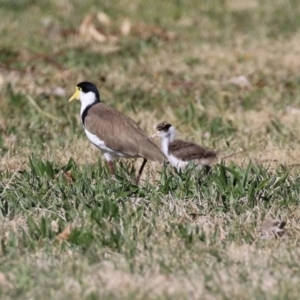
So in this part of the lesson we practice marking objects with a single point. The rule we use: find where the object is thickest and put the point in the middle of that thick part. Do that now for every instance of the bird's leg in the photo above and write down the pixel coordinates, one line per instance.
(207, 169)
(111, 167)
(140, 171)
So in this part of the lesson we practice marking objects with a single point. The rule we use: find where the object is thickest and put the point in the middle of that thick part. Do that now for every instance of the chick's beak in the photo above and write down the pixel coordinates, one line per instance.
(156, 134)
(75, 96)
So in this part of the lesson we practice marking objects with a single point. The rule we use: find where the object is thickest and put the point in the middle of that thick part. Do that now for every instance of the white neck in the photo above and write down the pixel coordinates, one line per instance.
(86, 100)
(167, 137)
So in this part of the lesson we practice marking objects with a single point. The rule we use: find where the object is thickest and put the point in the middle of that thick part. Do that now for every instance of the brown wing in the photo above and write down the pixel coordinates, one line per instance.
(190, 151)
(121, 133)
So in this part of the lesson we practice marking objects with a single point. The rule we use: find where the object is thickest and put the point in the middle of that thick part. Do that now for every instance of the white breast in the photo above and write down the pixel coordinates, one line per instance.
(180, 164)
(109, 153)
(177, 163)
(174, 161)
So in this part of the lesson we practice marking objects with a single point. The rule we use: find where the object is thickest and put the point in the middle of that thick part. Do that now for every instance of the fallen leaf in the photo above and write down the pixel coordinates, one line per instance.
(68, 175)
(104, 19)
(88, 29)
(125, 27)
(85, 25)
(100, 28)
(97, 35)
(241, 82)
(65, 234)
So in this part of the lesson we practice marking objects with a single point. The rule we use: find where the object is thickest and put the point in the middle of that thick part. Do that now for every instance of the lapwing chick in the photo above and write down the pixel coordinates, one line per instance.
(113, 133)
(272, 229)
(180, 153)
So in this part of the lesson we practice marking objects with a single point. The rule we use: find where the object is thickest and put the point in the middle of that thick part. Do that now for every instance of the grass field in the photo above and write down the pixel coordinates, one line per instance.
(225, 73)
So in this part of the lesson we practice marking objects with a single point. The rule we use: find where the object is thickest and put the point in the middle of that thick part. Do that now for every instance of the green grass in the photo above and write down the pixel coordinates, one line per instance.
(178, 235)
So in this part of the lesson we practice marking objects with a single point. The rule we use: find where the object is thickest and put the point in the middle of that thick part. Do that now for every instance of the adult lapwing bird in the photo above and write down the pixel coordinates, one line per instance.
(180, 153)
(113, 133)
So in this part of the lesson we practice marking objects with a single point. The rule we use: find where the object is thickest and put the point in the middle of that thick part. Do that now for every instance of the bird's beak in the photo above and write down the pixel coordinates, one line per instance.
(75, 96)
(156, 134)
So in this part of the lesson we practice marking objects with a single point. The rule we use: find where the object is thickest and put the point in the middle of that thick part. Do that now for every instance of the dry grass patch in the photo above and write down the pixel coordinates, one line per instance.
(227, 79)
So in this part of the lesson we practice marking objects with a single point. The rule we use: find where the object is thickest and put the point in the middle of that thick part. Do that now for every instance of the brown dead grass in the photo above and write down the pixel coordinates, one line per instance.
(267, 64)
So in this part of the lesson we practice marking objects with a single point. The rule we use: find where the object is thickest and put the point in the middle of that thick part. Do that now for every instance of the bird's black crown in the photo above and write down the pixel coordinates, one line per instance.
(163, 126)
(89, 87)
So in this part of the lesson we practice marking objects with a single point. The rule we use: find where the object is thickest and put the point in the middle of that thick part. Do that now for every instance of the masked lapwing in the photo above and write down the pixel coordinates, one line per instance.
(113, 133)
(181, 153)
